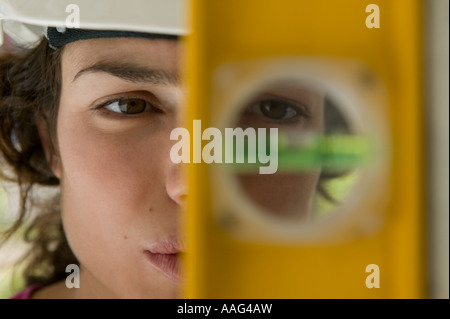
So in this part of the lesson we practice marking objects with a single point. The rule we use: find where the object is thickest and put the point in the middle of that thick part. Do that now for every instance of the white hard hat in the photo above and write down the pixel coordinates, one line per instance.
(26, 21)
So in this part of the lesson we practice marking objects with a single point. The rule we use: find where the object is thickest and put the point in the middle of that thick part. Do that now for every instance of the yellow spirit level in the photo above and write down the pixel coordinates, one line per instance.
(342, 82)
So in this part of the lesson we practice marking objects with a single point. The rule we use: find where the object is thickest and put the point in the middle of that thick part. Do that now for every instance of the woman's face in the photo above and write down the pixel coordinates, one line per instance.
(120, 193)
(297, 112)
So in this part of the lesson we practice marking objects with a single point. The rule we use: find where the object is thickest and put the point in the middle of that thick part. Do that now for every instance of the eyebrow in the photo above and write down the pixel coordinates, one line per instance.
(133, 73)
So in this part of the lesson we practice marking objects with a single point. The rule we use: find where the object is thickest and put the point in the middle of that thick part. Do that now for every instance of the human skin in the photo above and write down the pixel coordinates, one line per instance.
(301, 113)
(120, 193)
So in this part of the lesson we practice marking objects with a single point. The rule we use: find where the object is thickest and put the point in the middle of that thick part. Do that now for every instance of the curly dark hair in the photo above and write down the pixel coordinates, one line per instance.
(30, 82)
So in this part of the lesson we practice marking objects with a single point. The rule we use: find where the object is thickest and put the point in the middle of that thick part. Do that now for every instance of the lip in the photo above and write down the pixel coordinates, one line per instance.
(164, 256)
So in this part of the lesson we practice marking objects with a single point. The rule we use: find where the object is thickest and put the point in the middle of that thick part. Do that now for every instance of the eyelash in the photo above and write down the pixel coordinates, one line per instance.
(149, 107)
(300, 109)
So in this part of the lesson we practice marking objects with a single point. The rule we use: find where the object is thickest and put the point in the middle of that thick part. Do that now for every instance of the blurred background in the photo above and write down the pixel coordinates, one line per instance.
(437, 110)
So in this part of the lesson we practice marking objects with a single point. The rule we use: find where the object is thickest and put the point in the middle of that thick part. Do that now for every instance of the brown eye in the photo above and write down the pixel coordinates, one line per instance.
(132, 106)
(277, 110)
(127, 106)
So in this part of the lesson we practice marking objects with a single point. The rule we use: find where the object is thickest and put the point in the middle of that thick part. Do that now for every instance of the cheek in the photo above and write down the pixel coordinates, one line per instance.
(112, 195)
(106, 168)
(284, 195)
(110, 182)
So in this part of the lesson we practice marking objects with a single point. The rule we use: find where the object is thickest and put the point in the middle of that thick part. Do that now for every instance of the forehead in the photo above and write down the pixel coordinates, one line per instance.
(160, 54)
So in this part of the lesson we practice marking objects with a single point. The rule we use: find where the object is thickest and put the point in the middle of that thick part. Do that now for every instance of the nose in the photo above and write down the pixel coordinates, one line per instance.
(176, 184)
